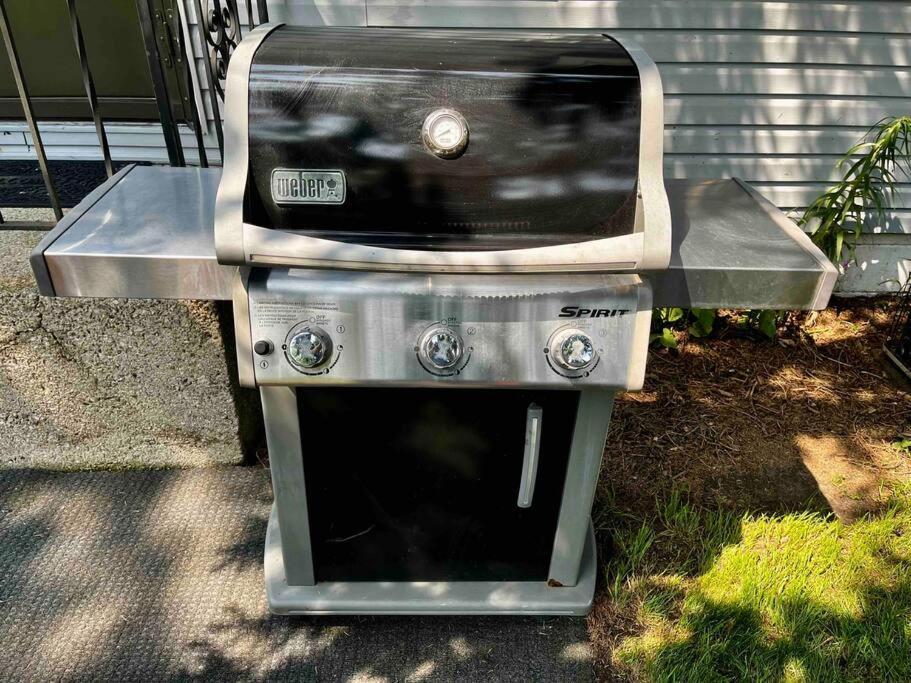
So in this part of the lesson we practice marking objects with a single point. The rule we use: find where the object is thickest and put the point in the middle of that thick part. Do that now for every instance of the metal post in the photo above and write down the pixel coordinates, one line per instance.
(165, 115)
(263, 11)
(250, 24)
(286, 461)
(16, 67)
(585, 455)
(89, 85)
(185, 56)
(202, 25)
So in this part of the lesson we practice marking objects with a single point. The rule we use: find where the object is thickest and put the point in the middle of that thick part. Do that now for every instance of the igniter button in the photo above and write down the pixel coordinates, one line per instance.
(263, 347)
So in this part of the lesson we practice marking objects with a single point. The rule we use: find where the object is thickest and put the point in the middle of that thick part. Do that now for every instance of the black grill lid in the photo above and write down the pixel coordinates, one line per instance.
(553, 136)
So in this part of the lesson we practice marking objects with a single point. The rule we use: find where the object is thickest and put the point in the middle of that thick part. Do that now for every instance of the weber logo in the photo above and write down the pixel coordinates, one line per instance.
(577, 312)
(300, 186)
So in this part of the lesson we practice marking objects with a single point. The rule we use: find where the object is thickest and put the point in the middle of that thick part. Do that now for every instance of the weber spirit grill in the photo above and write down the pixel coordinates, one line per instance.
(443, 248)
(444, 229)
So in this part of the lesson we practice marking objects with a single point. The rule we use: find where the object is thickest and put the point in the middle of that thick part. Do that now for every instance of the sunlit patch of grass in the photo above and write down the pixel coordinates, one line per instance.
(799, 597)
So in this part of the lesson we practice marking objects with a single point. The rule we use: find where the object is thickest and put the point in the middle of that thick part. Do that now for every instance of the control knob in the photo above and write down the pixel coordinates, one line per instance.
(441, 347)
(572, 349)
(309, 347)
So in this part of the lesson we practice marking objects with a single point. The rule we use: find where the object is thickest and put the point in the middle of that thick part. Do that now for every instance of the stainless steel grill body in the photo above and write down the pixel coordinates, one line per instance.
(426, 221)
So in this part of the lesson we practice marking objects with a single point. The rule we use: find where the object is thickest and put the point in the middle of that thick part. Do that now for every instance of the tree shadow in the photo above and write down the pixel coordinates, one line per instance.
(157, 575)
(393, 648)
(241, 642)
(812, 642)
(801, 424)
(745, 606)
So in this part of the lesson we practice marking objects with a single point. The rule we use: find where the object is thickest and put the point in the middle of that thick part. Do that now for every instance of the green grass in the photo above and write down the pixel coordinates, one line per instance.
(714, 596)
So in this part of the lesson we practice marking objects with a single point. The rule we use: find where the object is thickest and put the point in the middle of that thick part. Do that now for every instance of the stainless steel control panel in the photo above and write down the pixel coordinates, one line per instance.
(319, 327)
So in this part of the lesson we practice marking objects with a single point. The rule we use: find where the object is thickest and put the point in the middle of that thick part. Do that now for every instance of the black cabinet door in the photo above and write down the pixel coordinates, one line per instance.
(116, 58)
(422, 485)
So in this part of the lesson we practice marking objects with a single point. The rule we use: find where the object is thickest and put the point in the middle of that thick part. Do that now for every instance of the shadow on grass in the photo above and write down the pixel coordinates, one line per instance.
(722, 641)
(700, 595)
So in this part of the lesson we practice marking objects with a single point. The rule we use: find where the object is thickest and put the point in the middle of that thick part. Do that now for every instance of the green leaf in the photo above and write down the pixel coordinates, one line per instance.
(704, 321)
(767, 323)
(673, 314)
(667, 338)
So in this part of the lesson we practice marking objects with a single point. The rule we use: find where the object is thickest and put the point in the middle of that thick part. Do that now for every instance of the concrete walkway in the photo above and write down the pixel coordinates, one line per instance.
(156, 575)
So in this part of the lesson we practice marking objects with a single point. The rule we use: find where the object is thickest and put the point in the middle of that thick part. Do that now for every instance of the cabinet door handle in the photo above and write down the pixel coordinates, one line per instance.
(533, 419)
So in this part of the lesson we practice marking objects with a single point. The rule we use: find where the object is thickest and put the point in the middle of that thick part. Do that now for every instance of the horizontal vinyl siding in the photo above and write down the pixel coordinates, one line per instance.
(78, 141)
(666, 15)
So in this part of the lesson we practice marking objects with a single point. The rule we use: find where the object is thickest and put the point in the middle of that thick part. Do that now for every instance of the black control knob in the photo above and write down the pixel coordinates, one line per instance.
(263, 347)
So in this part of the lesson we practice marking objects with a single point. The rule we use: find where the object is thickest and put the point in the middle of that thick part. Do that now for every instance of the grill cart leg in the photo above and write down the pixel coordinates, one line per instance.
(592, 422)
(287, 465)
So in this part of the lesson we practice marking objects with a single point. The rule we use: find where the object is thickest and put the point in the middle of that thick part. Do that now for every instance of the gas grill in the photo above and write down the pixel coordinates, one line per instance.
(443, 229)
(443, 248)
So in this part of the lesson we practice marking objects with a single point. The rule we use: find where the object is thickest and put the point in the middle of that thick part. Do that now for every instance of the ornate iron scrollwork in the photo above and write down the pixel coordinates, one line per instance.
(222, 32)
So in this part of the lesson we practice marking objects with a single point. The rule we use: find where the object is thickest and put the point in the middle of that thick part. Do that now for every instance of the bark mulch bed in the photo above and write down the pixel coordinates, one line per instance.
(806, 422)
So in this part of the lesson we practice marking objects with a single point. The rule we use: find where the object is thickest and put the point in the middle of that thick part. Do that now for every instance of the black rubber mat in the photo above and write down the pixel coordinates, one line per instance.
(21, 184)
(157, 575)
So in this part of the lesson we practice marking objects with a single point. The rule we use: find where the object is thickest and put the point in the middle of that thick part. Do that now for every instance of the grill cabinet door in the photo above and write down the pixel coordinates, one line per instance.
(423, 484)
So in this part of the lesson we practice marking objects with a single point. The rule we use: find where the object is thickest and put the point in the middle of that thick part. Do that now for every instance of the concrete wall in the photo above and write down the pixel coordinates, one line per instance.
(111, 383)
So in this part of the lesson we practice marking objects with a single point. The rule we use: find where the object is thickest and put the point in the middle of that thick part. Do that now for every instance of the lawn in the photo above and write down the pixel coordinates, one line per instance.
(774, 543)
(705, 595)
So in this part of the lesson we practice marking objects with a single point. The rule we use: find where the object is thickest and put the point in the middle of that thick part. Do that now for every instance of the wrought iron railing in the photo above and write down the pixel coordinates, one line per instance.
(22, 88)
(219, 29)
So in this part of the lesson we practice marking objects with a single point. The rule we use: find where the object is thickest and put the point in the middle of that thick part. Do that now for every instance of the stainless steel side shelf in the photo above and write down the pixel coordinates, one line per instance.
(148, 233)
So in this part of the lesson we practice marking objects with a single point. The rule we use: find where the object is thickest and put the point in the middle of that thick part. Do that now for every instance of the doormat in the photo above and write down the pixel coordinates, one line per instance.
(22, 186)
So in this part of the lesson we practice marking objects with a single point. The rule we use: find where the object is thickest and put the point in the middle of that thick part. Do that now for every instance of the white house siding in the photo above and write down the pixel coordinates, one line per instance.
(772, 92)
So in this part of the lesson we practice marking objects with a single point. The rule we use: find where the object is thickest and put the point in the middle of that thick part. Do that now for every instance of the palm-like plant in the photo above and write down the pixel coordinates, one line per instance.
(837, 216)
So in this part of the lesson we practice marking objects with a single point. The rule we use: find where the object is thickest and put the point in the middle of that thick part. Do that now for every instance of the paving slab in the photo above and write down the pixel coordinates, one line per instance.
(113, 383)
(157, 575)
